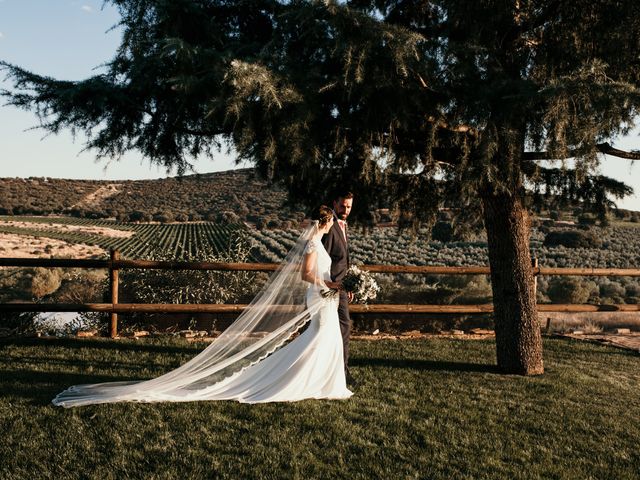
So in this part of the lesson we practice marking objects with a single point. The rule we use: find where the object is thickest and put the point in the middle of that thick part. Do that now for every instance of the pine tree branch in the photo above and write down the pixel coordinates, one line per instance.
(614, 152)
(605, 148)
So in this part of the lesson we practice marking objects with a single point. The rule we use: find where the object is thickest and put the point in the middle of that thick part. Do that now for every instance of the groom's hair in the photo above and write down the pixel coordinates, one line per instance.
(344, 194)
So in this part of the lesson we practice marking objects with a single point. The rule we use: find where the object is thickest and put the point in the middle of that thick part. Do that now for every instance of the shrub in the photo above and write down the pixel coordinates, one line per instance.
(227, 217)
(612, 290)
(445, 216)
(620, 214)
(442, 232)
(478, 290)
(261, 223)
(586, 220)
(138, 216)
(572, 239)
(632, 290)
(163, 217)
(570, 290)
(44, 281)
(77, 212)
(82, 286)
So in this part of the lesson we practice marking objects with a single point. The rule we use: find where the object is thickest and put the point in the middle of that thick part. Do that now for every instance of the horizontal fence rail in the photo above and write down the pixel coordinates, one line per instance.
(114, 264)
(270, 267)
(355, 308)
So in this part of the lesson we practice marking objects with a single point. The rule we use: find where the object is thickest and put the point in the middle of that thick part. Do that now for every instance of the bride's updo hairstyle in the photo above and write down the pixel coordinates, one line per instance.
(322, 214)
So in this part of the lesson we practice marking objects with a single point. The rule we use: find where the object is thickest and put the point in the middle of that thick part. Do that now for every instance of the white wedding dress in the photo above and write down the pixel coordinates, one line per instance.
(308, 367)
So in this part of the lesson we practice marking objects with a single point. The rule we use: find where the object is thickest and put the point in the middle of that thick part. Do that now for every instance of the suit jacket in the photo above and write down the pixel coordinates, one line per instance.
(335, 244)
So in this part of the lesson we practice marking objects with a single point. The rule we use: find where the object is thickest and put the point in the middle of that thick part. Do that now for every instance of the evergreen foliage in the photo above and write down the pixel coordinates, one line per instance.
(371, 93)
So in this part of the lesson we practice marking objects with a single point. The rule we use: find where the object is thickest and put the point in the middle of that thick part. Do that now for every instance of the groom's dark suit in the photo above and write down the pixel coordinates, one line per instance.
(336, 245)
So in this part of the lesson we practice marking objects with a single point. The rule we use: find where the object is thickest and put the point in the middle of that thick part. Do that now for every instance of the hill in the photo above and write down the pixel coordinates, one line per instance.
(231, 196)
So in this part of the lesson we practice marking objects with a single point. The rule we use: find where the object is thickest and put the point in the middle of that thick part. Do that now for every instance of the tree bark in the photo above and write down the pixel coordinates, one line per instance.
(518, 338)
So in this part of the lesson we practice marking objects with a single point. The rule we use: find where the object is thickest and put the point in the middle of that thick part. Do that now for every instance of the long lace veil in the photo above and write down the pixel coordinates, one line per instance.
(270, 320)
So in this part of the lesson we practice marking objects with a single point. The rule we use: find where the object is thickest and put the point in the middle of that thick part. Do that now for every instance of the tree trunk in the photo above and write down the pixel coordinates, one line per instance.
(518, 339)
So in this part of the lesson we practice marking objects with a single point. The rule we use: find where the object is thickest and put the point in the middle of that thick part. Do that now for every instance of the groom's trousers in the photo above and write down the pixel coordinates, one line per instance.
(345, 325)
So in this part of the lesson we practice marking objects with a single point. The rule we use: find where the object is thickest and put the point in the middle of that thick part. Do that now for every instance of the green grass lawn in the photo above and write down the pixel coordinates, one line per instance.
(424, 409)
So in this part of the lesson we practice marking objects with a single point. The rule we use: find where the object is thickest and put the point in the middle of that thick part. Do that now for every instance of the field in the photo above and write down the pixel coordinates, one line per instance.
(620, 244)
(618, 247)
(138, 240)
(424, 409)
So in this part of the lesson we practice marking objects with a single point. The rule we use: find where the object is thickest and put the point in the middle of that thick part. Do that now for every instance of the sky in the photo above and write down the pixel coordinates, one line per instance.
(69, 39)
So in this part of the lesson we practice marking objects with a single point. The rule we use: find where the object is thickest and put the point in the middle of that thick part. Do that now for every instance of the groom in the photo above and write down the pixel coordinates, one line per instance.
(336, 243)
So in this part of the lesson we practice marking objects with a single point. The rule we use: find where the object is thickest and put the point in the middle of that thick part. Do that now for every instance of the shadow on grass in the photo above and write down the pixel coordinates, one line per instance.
(81, 364)
(37, 377)
(44, 376)
(432, 365)
(39, 388)
(101, 343)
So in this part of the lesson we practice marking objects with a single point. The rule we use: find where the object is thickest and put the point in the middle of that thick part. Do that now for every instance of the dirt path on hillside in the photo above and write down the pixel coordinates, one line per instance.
(93, 199)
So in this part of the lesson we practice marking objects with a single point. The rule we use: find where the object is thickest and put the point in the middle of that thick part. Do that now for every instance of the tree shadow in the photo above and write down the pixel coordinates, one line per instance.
(99, 343)
(80, 363)
(48, 374)
(429, 365)
(39, 388)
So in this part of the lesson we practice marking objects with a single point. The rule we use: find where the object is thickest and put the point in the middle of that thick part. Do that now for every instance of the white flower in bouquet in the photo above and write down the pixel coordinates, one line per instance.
(361, 284)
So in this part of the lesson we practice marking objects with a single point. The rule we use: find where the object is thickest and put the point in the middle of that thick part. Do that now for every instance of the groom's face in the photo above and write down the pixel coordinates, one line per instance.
(342, 207)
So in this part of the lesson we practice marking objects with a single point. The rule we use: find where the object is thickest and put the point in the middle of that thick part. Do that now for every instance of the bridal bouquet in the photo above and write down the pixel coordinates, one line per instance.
(361, 284)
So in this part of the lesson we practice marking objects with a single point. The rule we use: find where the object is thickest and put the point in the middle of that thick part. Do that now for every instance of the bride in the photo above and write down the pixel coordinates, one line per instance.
(257, 359)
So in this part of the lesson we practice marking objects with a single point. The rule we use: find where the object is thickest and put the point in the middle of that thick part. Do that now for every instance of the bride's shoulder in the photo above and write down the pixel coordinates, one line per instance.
(313, 245)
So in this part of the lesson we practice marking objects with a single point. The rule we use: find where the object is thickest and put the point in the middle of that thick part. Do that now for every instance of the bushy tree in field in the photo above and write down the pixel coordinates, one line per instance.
(163, 217)
(572, 239)
(139, 216)
(570, 290)
(586, 220)
(44, 281)
(442, 232)
(612, 292)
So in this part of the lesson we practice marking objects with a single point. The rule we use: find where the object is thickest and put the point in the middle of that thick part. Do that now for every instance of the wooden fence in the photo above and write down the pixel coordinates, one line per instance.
(114, 264)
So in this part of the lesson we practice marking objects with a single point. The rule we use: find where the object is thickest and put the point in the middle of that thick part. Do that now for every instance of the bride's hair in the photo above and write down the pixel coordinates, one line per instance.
(322, 214)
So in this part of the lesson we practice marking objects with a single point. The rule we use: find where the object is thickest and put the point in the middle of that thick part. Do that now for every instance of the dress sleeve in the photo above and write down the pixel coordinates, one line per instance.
(311, 247)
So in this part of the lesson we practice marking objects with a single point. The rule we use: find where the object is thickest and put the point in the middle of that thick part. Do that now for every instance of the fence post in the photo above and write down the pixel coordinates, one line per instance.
(113, 277)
